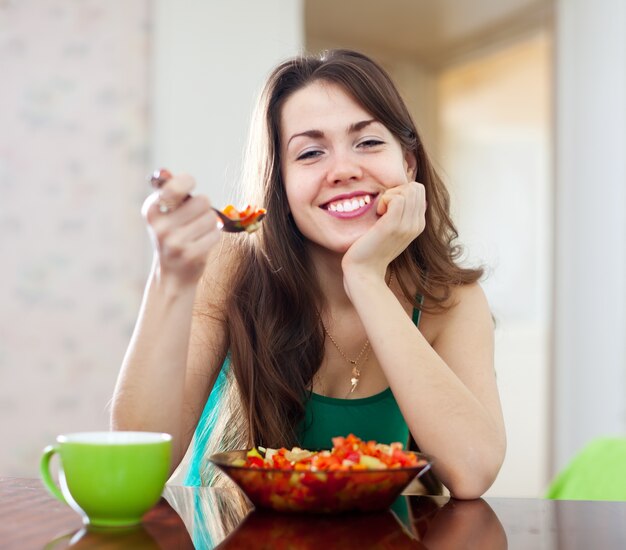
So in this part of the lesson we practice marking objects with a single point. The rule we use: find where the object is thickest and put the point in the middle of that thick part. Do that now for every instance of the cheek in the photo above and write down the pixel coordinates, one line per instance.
(295, 203)
(403, 172)
(393, 175)
(299, 193)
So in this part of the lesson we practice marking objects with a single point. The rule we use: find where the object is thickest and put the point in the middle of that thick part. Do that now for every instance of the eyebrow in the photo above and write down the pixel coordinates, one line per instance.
(316, 134)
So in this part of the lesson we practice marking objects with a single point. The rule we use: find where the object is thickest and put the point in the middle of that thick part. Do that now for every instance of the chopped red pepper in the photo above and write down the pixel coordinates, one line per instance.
(354, 474)
(247, 219)
(348, 453)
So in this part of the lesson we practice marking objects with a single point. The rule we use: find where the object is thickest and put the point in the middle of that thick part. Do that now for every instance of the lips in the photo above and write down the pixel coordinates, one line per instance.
(349, 203)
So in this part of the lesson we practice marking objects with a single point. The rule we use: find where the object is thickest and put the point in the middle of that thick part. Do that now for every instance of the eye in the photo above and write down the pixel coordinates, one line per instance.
(311, 153)
(371, 142)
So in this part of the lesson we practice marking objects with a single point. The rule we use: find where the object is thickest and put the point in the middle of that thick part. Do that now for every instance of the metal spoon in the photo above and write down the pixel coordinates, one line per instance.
(158, 179)
(235, 226)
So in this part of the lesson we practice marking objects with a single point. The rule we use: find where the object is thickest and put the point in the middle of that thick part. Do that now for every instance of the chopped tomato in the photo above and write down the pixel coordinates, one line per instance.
(246, 217)
(348, 453)
(353, 475)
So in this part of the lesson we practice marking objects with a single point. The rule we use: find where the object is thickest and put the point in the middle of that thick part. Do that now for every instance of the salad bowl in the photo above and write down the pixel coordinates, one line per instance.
(301, 485)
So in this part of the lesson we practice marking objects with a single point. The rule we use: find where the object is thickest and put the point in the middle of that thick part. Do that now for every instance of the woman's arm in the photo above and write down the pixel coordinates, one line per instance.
(173, 357)
(446, 391)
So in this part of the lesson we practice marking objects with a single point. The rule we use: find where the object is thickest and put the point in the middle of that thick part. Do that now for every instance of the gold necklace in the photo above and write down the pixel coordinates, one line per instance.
(355, 372)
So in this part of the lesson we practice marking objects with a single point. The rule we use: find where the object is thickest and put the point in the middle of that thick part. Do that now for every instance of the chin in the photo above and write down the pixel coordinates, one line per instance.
(325, 247)
(343, 249)
(336, 242)
(342, 245)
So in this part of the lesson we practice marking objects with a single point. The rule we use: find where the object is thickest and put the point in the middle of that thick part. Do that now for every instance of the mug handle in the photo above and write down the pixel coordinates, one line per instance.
(44, 470)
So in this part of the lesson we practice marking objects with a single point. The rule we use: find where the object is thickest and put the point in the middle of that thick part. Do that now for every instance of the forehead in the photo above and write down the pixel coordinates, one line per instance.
(318, 105)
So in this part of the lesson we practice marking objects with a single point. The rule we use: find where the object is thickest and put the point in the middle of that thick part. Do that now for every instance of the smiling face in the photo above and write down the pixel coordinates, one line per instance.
(336, 162)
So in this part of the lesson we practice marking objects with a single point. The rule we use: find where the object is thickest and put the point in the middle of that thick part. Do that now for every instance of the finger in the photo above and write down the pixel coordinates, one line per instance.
(383, 203)
(205, 242)
(173, 240)
(175, 191)
(180, 185)
(199, 249)
(422, 204)
(415, 199)
(195, 230)
(386, 198)
(396, 207)
(150, 208)
(189, 210)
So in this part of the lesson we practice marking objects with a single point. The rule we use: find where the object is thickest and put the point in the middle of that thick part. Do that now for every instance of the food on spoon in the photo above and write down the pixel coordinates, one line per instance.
(248, 219)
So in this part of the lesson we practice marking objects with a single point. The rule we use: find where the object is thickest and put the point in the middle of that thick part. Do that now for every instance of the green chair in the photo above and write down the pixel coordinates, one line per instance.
(598, 472)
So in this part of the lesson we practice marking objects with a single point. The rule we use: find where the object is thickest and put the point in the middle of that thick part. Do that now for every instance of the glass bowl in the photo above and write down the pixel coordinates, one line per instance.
(319, 491)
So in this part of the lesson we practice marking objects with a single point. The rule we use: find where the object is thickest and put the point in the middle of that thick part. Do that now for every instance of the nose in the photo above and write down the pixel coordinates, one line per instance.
(343, 168)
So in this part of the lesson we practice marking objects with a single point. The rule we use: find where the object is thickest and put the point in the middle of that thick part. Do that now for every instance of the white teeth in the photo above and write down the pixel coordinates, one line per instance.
(350, 205)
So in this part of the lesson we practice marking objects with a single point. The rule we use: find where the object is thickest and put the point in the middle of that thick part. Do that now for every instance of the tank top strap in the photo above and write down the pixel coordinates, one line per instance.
(417, 313)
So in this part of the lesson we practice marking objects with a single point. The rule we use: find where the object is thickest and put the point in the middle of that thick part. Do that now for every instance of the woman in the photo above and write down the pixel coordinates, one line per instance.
(311, 324)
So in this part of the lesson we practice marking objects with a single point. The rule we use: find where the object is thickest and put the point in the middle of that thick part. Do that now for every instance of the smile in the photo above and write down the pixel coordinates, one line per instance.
(348, 205)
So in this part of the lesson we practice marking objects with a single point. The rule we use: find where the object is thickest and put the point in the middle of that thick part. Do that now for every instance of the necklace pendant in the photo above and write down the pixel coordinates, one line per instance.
(356, 374)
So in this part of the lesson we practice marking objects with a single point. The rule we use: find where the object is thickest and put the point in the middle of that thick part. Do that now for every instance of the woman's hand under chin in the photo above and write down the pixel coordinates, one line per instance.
(402, 219)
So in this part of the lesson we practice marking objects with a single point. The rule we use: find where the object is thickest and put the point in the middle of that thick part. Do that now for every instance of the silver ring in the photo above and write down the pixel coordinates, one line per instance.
(163, 208)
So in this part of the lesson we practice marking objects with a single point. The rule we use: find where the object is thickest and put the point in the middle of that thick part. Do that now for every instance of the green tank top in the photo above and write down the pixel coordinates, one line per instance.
(377, 417)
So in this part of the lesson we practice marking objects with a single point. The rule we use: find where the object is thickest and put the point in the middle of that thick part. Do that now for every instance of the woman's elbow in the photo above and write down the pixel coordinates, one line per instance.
(469, 489)
(476, 478)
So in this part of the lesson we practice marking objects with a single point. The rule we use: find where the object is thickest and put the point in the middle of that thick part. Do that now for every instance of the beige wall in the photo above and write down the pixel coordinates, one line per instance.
(73, 152)
(93, 96)
(496, 147)
(210, 59)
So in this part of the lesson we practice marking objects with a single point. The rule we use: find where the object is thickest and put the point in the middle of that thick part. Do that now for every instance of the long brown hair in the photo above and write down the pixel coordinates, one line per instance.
(276, 339)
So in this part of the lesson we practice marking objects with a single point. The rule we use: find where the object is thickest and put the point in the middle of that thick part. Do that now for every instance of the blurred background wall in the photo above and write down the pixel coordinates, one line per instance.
(74, 143)
(94, 95)
(521, 104)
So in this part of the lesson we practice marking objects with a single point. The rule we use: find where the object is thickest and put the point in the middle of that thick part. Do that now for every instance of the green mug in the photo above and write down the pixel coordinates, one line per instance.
(110, 478)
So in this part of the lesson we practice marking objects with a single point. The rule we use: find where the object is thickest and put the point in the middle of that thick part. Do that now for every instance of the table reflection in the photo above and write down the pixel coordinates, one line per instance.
(135, 537)
(161, 528)
(207, 518)
(224, 519)
(451, 524)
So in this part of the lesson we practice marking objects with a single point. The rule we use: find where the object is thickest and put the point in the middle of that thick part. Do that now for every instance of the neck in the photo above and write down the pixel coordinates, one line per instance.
(330, 276)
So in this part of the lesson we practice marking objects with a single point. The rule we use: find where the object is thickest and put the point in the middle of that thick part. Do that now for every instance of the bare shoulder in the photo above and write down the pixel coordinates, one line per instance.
(466, 306)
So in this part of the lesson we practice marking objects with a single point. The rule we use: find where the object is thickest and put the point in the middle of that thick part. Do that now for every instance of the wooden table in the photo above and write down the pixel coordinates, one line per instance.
(31, 518)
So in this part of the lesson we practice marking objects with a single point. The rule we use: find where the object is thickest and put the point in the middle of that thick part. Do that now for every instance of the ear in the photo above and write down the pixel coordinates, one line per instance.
(410, 165)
